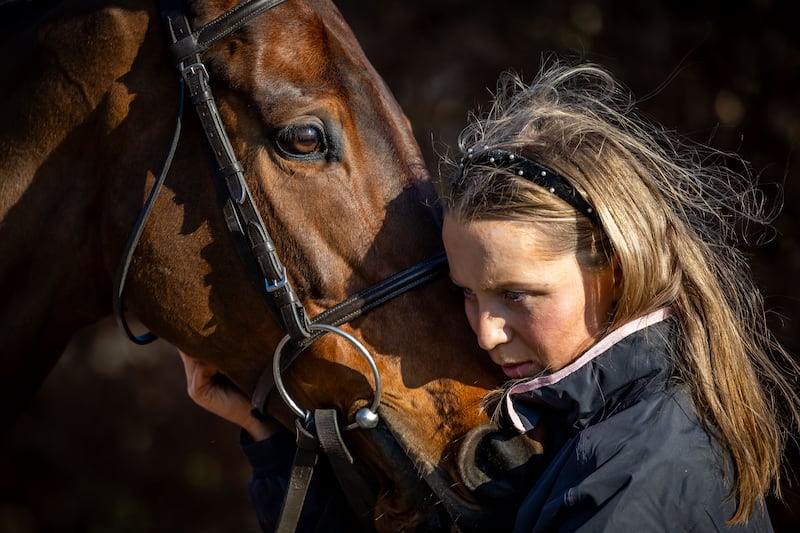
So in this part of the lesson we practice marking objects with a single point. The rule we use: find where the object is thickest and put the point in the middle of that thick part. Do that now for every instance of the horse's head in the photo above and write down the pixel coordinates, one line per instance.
(338, 179)
(89, 107)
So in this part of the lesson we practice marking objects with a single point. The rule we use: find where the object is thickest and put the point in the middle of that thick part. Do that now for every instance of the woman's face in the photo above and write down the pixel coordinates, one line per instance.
(531, 310)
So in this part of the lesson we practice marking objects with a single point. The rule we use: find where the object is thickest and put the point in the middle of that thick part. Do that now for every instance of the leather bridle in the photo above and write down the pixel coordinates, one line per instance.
(319, 431)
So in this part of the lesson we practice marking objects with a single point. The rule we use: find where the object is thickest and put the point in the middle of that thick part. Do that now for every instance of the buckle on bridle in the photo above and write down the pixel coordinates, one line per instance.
(194, 67)
(277, 284)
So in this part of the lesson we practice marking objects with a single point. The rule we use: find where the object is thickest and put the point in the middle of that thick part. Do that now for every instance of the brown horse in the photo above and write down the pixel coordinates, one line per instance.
(89, 99)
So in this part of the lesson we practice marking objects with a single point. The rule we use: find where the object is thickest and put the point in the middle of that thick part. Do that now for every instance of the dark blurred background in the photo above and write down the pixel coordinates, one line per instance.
(113, 444)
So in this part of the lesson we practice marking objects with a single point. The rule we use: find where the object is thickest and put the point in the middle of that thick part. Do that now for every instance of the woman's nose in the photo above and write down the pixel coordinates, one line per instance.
(491, 331)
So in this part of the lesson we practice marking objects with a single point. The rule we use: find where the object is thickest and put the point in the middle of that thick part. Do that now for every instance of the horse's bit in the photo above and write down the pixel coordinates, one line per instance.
(258, 251)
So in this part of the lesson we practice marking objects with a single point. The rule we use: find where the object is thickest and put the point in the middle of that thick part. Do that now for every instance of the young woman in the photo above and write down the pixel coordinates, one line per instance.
(597, 259)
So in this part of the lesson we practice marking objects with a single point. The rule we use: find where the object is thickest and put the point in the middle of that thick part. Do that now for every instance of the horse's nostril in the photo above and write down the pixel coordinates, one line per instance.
(498, 466)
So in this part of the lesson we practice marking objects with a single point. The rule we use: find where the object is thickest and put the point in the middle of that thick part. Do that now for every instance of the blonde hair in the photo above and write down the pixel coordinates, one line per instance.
(672, 213)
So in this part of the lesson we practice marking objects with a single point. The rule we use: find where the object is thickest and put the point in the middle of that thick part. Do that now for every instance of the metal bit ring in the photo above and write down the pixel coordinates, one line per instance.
(366, 417)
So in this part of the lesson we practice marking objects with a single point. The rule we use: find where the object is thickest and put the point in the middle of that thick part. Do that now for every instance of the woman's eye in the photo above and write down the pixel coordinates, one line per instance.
(467, 292)
(301, 140)
(514, 296)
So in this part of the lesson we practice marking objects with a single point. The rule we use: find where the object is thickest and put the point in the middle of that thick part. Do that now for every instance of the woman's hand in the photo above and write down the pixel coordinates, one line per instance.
(217, 396)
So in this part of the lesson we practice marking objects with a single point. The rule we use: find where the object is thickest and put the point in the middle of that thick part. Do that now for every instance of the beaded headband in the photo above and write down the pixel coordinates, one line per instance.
(533, 172)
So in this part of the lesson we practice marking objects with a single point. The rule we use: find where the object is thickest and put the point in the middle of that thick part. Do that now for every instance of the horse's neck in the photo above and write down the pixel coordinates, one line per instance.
(56, 106)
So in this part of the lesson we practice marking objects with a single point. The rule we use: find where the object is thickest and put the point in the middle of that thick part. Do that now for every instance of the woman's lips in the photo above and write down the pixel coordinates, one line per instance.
(518, 370)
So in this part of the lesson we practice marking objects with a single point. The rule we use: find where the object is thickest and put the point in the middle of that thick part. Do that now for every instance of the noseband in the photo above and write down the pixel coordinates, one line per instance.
(321, 429)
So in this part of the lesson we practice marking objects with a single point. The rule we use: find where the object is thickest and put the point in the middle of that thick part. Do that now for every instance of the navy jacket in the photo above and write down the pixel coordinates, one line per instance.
(635, 456)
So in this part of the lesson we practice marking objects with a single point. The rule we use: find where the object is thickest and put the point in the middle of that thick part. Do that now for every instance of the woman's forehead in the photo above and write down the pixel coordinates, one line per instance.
(500, 238)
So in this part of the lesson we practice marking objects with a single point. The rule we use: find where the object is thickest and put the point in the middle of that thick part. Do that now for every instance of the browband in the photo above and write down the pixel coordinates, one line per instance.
(531, 171)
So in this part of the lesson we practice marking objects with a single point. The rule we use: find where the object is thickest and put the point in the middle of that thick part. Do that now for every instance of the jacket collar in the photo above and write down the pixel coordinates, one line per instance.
(607, 378)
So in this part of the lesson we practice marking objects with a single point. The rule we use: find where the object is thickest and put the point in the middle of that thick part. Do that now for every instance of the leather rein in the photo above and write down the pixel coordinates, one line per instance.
(320, 431)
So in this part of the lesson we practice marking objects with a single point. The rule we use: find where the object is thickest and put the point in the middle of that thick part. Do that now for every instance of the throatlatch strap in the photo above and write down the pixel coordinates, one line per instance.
(121, 277)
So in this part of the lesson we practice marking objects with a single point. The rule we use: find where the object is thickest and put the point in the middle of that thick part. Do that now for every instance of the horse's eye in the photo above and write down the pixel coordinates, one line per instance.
(301, 141)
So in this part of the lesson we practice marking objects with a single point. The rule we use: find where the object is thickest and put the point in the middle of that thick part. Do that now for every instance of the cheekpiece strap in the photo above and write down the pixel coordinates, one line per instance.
(533, 172)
